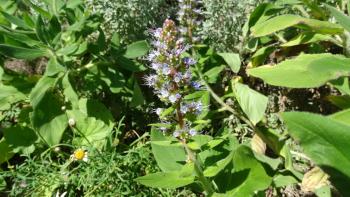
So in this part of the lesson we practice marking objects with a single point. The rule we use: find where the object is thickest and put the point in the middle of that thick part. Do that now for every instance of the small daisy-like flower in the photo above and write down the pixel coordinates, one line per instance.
(80, 155)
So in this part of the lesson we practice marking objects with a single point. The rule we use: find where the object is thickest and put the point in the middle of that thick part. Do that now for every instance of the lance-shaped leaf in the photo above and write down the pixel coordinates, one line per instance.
(279, 23)
(233, 60)
(305, 71)
(326, 142)
(342, 19)
(22, 53)
(252, 102)
(136, 49)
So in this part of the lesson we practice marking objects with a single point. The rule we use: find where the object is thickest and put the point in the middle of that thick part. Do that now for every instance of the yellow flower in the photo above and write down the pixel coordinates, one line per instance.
(80, 155)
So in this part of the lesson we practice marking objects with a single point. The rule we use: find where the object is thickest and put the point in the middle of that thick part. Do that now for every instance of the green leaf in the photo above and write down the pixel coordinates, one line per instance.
(342, 102)
(9, 95)
(69, 92)
(41, 31)
(306, 38)
(326, 142)
(281, 180)
(169, 156)
(1, 73)
(53, 68)
(233, 60)
(168, 180)
(342, 84)
(137, 49)
(213, 74)
(252, 102)
(284, 21)
(23, 53)
(6, 151)
(342, 19)
(40, 89)
(137, 98)
(16, 21)
(249, 174)
(305, 71)
(19, 138)
(342, 116)
(49, 120)
(213, 170)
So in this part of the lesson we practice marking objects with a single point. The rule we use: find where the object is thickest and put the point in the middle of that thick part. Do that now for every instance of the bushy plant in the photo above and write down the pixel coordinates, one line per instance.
(130, 19)
(223, 22)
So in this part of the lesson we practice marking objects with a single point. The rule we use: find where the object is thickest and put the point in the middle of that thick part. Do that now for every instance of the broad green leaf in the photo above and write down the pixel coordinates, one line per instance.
(326, 142)
(342, 84)
(137, 98)
(9, 95)
(233, 60)
(69, 92)
(168, 180)
(5, 150)
(342, 116)
(136, 49)
(40, 89)
(20, 37)
(213, 170)
(284, 21)
(249, 174)
(307, 38)
(68, 50)
(3, 183)
(281, 180)
(213, 74)
(94, 108)
(53, 67)
(19, 138)
(90, 131)
(41, 31)
(324, 191)
(48, 119)
(252, 102)
(305, 71)
(1, 73)
(341, 18)
(15, 20)
(169, 157)
(23, 53)
(113, 78)
(343, 102)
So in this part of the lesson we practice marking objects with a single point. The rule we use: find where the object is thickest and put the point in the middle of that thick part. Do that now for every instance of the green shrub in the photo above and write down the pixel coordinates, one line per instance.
(130, 19)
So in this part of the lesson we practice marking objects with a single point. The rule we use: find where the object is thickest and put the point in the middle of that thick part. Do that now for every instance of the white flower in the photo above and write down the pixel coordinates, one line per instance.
(192, 132)
(71, 122)
(80, 155)
(159, 111)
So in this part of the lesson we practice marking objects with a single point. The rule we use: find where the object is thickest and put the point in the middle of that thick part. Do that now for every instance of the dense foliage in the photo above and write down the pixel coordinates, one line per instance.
(174, 98)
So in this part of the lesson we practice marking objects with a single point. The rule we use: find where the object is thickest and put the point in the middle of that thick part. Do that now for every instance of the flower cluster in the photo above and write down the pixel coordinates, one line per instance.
(172, 79)
(188, 16)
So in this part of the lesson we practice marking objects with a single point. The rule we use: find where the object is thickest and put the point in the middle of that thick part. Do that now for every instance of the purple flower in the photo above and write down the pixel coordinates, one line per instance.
(192, 132)
(177, 133)
(178, 77)
(156, 66)
(164, 93)
(184, 108)
(151, 80)
(174, 97)
(153, 55)
(188, 74)
(189, 61)
(196, 85)
(166, 69)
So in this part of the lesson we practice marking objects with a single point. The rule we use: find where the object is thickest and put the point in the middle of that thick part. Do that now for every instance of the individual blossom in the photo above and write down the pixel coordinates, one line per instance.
(80, 155)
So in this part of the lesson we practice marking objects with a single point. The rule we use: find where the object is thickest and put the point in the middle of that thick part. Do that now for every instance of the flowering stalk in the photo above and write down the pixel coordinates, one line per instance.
(188, 16)
(172, 81)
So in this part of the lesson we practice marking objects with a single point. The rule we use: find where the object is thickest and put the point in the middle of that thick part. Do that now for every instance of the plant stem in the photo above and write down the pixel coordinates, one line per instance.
(222, 103)
(198, 170)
